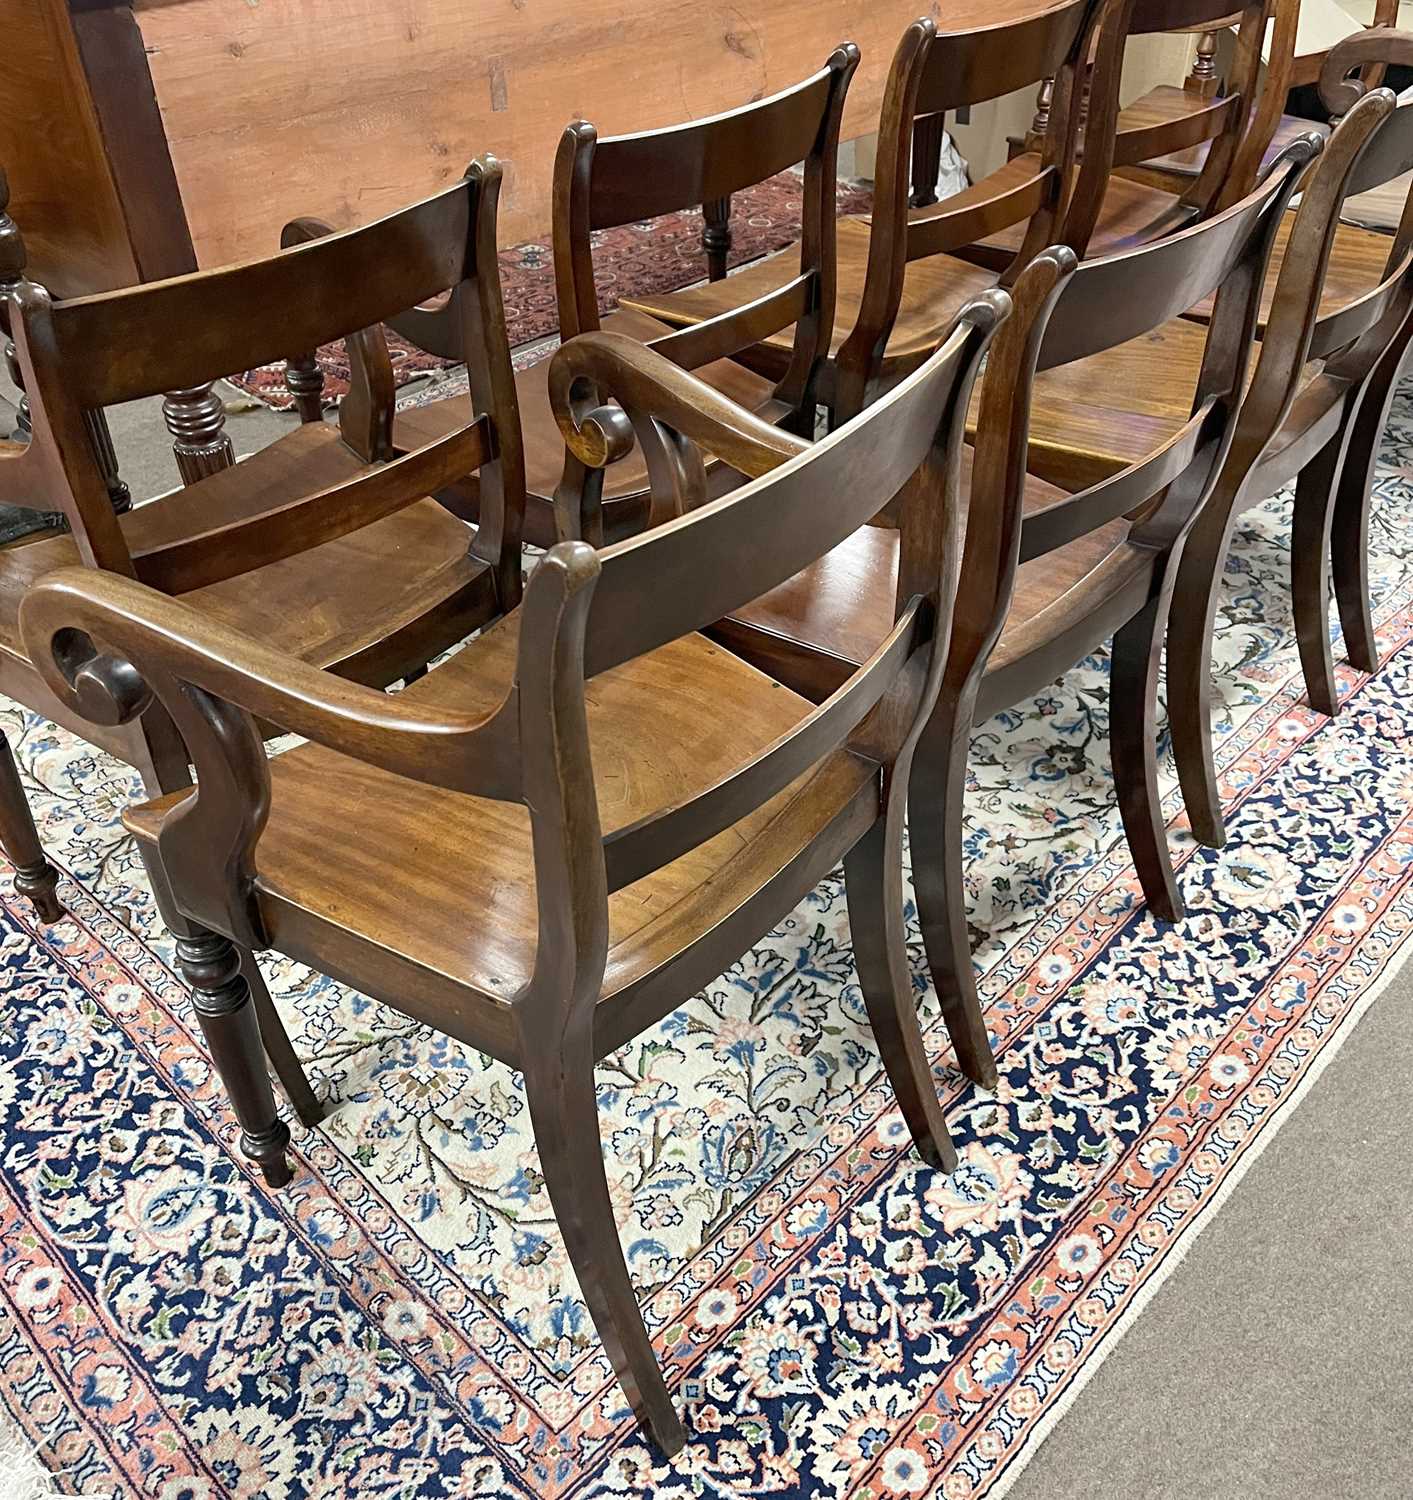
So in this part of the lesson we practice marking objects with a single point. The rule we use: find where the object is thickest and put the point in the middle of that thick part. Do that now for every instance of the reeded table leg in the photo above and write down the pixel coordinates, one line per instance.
(196, 418)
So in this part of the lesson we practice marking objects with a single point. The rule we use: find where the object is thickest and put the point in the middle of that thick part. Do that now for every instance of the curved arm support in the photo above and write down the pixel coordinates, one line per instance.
(595, 368)
(176, 649)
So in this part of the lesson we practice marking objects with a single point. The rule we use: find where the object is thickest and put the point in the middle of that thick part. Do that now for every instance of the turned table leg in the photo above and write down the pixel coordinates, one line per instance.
(196, 418)
(716, 236)
(304, 379)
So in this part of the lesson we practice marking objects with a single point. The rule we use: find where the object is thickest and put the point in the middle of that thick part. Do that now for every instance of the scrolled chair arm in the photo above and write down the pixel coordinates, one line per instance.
(594, 370)
(1344, 74)
(106, 645)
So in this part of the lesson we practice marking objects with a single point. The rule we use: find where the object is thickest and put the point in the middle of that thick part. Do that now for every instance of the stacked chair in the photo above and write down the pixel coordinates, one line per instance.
(745, 653)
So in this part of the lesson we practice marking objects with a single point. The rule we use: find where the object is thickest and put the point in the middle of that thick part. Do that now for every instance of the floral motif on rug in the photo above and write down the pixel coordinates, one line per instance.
(836, 1318)
(657, 255)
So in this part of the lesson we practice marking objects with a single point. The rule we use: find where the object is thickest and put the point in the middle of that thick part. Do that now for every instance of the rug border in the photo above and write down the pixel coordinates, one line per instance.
(1400, 960)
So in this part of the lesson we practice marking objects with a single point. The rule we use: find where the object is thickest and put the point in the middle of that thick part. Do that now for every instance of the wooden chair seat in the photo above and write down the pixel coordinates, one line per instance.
(646, 756)
(1101, 414)
(933, 292)
(1357, 262)
(1168, 103)
(327, 605)
(1133, 213)
(625, 482)
(832, 615)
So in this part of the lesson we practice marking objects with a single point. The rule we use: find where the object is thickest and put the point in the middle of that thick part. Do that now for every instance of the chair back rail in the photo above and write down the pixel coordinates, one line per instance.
(167, 335)
(682, 166)
(1115, 298)
(93, 351)
(970, 67)
(1067, 310)
(225, 551)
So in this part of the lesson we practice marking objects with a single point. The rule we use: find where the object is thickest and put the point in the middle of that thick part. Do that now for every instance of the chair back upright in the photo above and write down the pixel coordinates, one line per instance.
(935, 73)
(97, 351)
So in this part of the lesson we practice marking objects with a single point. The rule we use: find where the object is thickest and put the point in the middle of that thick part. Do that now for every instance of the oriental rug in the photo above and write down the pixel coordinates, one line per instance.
(836, 1319)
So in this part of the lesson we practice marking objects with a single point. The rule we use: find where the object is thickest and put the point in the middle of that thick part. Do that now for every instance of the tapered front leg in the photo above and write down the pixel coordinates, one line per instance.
(1133, 745)
(1189, 675)
(35, 878)
(1315, 490)
(936, 786)
(875, 896)
(1349, 533)
(564, 1112)
(278, 1047)
(220, 992)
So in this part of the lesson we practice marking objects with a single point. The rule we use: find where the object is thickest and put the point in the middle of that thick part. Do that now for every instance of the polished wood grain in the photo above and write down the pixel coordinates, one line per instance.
(325, 543)
(437, 86)
(556, 837)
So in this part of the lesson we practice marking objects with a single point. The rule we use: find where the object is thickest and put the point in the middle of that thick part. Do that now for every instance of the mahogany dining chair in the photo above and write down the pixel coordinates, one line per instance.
(900, 282)
(1229, 129)
(560, 834)
(1314, 414)
(1286, 69)
(324, 544)
(1048, 574)
(600, 182)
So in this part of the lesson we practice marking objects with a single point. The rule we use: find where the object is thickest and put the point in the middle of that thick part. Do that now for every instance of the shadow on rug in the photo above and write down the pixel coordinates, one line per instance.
(835, 1318)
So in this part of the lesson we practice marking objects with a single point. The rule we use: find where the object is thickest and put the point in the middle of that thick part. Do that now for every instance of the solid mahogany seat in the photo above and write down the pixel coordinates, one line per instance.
(564, 831)
(1358, 259)
(390, 575)
(643, 760)
(834, 613)
(625, 489)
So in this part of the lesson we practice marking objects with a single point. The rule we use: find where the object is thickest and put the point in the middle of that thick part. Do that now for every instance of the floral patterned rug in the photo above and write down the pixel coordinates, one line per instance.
(836, 1318)
(658, 255)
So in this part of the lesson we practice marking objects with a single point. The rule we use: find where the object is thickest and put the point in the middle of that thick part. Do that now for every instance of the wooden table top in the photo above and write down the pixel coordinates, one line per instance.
(346, 109)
